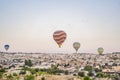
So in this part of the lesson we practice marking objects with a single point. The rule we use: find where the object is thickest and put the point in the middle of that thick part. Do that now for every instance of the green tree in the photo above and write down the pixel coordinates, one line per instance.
(81, 74)
(74, 75)
(97, 70)
(114, 64)
(37, 69)
(90, 74)
(10, 77)
(54, 67)
(26, 68)
(115, 77)
(100, 74)
(3, 70)
(1, 66)
(66, 72)
(23, 72)
(1, 75)
(106, 64)
(14, 74)
(17, 77)
(88, 68)
(32, 71)
(28, 63)
(87, 78)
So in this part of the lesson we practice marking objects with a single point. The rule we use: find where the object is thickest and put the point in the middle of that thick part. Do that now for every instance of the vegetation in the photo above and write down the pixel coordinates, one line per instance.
(33, 71)
(66, 72)
(100, 75)
(3, 70)
(81, 74)
(115, 77)
(115, 58)
(29, 77)
(55, 71)
(1, 66)
(87, 78)
(22, 72)
(28, 63)
(9, 77)
(114, 64)
(88, 68)
(14, 74)
(37, 69)
(1, 75)
(90, 74)
(97, 70)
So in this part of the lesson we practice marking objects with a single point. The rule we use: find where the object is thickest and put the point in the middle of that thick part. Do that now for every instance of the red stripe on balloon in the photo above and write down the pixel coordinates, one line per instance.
(60, 37)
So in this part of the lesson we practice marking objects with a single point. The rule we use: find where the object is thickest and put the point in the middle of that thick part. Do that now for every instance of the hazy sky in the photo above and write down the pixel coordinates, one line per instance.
(28, 25)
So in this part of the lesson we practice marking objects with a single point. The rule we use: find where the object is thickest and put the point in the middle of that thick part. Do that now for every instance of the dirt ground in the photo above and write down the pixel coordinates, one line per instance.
(57, 77)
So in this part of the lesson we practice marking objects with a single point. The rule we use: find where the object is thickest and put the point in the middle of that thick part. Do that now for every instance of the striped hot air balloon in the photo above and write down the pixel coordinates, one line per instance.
(59, 36)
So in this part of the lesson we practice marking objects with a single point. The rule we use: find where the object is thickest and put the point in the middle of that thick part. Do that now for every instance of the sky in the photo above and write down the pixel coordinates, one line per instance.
(28, 25)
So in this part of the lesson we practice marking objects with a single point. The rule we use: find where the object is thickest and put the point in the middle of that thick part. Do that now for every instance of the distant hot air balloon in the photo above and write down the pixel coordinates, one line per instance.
(59, 36)
(76, 46)
(6, 47)
(100, 50)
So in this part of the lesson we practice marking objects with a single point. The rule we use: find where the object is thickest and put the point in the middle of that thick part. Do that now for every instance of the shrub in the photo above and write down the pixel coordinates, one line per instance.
(22, 72)
(86, 78)
(88, 68)
(9, 77)
(14, 74)
(100, 75)
(1, 74)
(81, 74)
(90, 74)
(66, 72)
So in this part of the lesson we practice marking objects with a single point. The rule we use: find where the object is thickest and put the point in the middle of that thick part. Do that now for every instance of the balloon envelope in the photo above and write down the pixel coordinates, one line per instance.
(76, 46)
(100, 50)
(59, 36)
(6, 47)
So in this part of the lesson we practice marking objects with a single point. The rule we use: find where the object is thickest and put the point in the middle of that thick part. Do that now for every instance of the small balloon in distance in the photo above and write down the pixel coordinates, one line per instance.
(59, 37)
(6, 47)
(76, 46)
(100, 50)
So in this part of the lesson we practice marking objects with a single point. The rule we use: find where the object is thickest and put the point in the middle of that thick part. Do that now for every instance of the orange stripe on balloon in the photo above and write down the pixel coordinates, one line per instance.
(60, 37)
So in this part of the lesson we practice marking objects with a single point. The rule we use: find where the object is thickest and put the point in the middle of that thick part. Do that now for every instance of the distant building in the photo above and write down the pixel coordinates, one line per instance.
(116, 53)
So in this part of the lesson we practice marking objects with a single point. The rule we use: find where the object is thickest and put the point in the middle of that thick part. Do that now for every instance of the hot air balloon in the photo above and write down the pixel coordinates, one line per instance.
(100, 50)
(59, 36)
(76, 46)
(6, 47)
